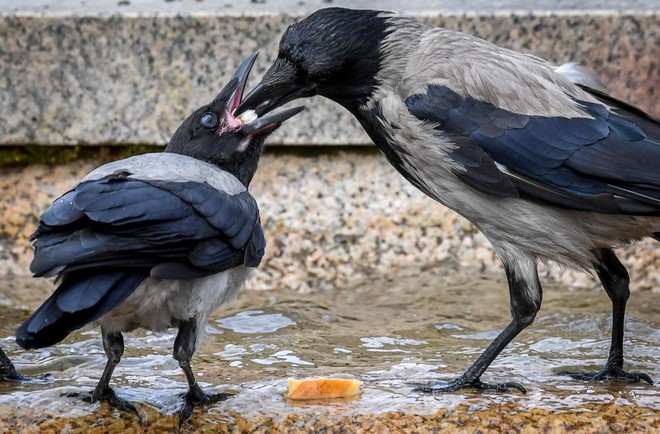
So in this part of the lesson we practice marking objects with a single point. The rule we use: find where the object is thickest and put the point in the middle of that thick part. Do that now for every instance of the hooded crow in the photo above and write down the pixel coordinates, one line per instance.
(546, 168)
(157, 240)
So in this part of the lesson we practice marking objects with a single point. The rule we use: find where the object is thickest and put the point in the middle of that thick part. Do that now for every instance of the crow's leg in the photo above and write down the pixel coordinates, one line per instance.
(184, 347)
(525, 300)
(615, 280)
(113, 344)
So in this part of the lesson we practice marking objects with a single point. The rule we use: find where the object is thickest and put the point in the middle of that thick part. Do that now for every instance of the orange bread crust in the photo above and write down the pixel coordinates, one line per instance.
(323, 388)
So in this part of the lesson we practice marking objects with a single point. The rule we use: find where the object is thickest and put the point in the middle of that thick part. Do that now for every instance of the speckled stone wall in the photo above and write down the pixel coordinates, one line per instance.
(129, 79)
(330, 220)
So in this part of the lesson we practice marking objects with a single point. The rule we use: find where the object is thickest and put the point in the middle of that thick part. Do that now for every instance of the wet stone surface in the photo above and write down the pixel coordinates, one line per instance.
(385, 332)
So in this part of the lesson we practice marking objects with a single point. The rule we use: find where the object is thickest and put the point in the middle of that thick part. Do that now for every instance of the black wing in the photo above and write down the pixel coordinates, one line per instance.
(607, 164)
(174, 229)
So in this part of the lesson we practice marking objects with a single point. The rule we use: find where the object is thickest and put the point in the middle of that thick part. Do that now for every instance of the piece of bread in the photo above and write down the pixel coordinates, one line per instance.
(323, 388)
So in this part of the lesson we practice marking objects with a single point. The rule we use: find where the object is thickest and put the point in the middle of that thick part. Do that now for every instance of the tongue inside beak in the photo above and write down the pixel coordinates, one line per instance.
(250, 122)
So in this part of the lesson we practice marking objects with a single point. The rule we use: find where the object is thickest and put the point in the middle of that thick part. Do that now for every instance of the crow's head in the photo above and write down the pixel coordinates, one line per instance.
(335, 52)
(216, 134)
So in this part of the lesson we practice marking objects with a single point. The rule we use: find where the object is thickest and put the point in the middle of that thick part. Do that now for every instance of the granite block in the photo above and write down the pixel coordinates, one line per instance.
(122, 73)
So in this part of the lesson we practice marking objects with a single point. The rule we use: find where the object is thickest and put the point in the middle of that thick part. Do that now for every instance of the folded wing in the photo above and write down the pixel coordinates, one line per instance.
(607, 162)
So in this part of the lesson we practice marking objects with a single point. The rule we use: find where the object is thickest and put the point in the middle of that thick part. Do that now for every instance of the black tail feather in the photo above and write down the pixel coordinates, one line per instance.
(656, 235)
(97, 294)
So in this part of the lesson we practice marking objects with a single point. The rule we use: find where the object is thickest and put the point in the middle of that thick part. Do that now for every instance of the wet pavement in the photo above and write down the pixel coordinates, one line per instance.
(384, 332)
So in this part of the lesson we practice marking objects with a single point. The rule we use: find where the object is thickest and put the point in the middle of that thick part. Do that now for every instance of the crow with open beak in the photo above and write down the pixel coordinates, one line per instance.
(547, 169)
(157, 240)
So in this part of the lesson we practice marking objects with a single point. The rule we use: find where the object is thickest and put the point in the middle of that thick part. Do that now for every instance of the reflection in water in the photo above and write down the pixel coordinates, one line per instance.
(410, 329)
(389, 344)
(254, 321)
(285, 356)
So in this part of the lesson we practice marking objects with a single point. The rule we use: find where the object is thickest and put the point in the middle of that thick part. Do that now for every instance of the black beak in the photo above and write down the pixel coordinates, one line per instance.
(270, 122)
(279, 85)
(241, 76)
(263, 121)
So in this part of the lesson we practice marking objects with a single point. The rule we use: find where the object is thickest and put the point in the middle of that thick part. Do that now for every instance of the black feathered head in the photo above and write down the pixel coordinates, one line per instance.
(215, 133)
(335, 52)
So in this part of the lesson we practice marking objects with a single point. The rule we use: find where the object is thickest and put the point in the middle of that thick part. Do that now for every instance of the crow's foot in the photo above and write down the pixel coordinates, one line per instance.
(44, 378)
(8, 373)
(7, 370)
(439, 387)
(196, 397)
(108, 395)
(13, 376)
(610, 373)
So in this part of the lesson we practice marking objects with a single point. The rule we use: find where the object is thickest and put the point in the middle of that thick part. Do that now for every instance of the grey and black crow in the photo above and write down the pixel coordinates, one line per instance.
(547, 169)
(157, 240)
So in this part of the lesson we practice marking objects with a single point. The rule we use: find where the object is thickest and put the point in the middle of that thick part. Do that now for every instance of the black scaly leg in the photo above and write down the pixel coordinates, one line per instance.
(184, 347)
(525, 300)
(113, 345)
(615, 280)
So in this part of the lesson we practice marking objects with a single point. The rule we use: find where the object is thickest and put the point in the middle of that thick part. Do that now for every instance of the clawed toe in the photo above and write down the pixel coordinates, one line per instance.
(16, 377)
(499, 387)
(439, 387)
(196, 397)
(641, 376)
(610, 373)
(108, 395)
(111, 398)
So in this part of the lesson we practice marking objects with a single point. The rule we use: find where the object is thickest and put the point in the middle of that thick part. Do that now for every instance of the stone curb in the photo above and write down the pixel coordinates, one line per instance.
(71, 75)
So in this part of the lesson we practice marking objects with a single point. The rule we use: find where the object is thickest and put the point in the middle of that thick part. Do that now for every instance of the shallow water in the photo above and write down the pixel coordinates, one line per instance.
(386, 332)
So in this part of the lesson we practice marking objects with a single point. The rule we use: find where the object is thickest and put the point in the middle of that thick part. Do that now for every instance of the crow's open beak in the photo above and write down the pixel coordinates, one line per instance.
(254, 121)
(268, 121)
(279, 85)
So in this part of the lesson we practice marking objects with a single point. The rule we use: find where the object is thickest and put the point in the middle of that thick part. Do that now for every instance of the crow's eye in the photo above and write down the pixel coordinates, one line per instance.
(209, 120)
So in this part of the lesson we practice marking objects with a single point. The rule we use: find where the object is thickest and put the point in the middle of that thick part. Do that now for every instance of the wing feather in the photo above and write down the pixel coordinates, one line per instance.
(606, 163)
(123, 221)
